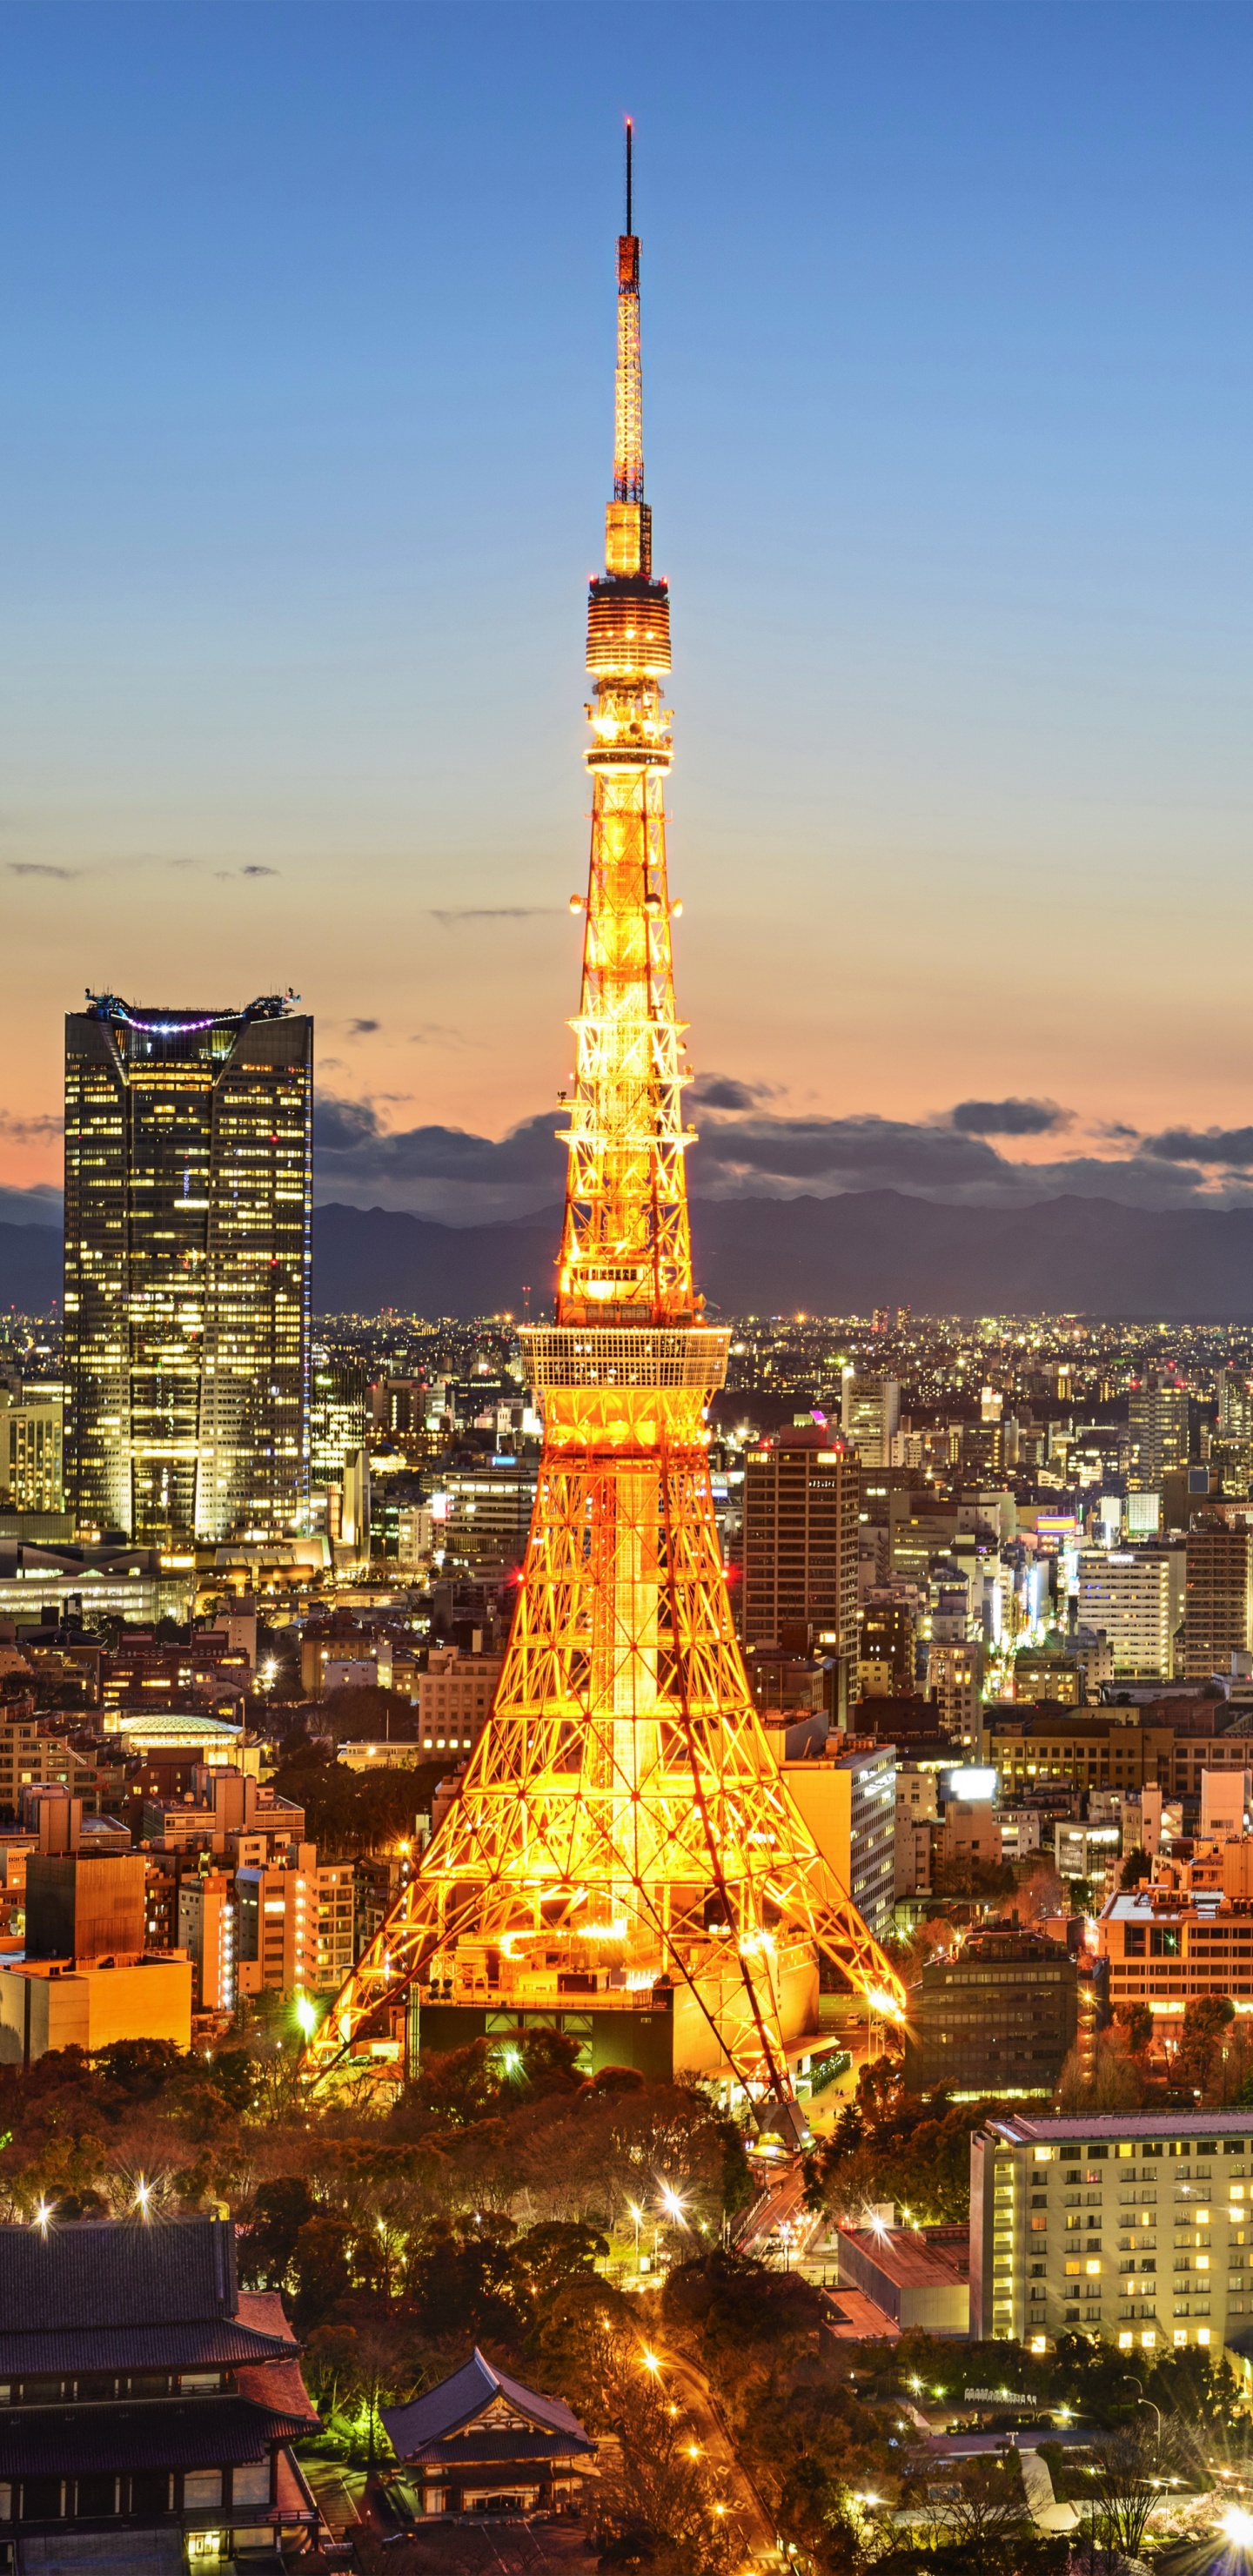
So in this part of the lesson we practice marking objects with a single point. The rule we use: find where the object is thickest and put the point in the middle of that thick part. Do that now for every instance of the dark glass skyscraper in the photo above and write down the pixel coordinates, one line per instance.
(188, 1188)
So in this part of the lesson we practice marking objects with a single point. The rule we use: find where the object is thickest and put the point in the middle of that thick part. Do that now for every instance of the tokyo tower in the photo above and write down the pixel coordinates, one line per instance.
(623, 1858)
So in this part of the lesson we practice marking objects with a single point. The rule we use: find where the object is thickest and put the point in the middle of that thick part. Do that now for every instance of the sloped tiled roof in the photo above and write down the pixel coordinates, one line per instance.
(118, 2272)
(449, 2409)
(205, 2433)
(25, 2349)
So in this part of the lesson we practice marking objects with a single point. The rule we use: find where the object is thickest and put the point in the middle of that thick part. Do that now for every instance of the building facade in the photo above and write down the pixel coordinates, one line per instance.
(1135, 2226)
(1218, 1601)
(1134, 1595)
(150, 2403)
(1157, 1423)
(187, 1249)
(799, 1580)
(31, 1444)
(847, 1796)
(869, 1413)
(999, 2017)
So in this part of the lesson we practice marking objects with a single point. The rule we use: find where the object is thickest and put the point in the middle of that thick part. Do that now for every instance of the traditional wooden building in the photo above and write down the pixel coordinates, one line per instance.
(481, 2443)
(147, 2404)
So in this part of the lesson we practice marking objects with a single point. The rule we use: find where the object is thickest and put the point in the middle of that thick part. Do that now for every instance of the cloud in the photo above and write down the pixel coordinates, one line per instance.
(35, 868)
(362, 1028)
(31, 1131)
(1010, 1117)
(434, 1033)
(1218, 1147)
(745, 1150)
(259, 872)
(724, 1091)
(346, 1129)
(448, 917)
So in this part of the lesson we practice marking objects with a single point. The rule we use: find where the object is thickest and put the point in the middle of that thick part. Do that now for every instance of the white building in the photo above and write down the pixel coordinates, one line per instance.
(1135, 1595)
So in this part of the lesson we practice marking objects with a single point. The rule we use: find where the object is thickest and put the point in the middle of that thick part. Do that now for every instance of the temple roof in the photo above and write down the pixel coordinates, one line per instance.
(458, 2403)
(118, 2272)
(201, 2433)
(26, 2350)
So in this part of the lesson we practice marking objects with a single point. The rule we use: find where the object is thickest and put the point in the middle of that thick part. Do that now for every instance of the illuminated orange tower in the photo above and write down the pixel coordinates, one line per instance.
(623, 1855)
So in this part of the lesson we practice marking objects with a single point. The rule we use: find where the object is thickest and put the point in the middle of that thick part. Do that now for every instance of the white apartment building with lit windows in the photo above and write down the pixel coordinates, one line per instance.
(1137, 2227)
(295, 1925)
(1136, 1596)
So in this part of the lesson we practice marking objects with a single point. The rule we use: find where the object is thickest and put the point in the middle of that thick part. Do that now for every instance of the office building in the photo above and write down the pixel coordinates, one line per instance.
(1047, 1672)
(150, 2402)
(970, 1831)
(51, 2004)
(339, 1415)
(481, 1518)
(1170, 1942)
(885, 1647)
(999, 2017)
(187, 1232)
(869, 1413)
(1218, 1601)
(1166, 1744)
(847, 1796)
(1136, 1596)
(454, 1699)
(1157, 1423)
(1086, 1851)
(955, 1683)
(799, 1579)
(31, 1450)
(1135, 2227)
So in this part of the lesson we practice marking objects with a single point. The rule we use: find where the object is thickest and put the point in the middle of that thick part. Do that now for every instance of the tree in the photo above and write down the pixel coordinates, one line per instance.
(1199, 2056)
(1136, 1866)
(1137, 2021)
(268, 2238)
(657, 2503)
(1129, 2464)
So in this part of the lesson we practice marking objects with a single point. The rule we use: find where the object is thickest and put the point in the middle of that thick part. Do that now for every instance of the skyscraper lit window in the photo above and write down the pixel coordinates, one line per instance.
(188, 1186)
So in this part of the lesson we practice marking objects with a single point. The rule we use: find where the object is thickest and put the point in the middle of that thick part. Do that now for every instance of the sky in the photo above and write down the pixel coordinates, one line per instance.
(305, 440)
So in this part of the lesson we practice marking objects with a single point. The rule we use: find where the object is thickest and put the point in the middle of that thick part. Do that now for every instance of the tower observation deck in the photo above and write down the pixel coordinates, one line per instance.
(623, 1856)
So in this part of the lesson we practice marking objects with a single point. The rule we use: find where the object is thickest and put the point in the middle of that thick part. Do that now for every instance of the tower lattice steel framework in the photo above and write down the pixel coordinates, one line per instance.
(623, 1837)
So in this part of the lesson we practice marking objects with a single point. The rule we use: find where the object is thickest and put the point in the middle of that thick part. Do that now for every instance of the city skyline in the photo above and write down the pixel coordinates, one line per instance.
(949, 307)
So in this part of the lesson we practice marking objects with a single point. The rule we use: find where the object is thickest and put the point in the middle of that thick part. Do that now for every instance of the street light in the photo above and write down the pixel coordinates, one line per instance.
(1142, 2400)
(1237, 2526)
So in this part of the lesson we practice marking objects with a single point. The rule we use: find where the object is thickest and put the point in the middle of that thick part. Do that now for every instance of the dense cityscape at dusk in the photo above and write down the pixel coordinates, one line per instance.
(626, 1904)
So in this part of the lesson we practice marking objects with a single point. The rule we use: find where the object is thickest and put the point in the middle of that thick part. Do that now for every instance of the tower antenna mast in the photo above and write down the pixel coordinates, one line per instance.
(630, 133)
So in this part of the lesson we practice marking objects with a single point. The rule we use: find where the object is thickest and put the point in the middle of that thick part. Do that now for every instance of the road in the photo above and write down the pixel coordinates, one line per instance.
(691, 2389)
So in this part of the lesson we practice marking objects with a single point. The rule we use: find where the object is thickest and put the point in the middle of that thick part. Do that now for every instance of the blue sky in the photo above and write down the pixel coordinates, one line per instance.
(304, 444)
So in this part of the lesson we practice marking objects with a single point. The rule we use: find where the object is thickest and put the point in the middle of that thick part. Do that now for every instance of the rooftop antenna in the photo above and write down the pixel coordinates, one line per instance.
(630, 131)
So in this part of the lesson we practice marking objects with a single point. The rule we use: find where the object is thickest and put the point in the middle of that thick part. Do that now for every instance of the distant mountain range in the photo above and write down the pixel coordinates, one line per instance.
(836, 1256)
(830, 1256)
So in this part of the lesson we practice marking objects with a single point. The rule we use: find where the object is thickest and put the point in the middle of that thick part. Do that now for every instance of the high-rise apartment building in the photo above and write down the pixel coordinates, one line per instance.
(801, 1497)
(1218, 1602)
(187, 1248)
(870, 1409)
(1157, 1422)
(1134, 2225)
(1134, 1595)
